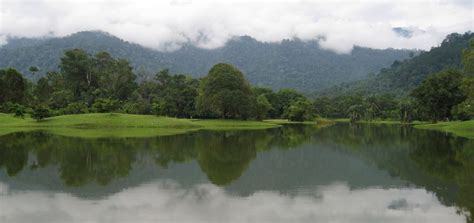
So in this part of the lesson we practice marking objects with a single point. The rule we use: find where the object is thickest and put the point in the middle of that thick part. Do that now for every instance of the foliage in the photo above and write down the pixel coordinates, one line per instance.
(438, 94)
(12, 86)
(19, 111)
(300, 110)
(262, 107)
(298, 64)
(76, 108)
(103, 105)
(403, 76)
(40, 112)
(42, 90)
(225, 93)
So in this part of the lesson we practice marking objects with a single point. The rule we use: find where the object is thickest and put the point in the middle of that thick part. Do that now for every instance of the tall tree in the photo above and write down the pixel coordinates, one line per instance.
(42, 90)
(225, 93)
(76, 66)
(14, 86)
(438, 94)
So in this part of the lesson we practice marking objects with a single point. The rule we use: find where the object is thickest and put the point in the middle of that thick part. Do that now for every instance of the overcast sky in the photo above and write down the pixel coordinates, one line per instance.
(166, 25)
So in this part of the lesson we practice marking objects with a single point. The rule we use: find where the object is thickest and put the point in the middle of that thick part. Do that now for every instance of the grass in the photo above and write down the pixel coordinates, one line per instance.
(459, 128)
(319, 122)
(121, 125)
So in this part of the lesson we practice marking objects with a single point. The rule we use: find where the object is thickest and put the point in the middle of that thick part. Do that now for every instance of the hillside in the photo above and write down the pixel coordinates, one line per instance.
(290, 64)
(403, 76)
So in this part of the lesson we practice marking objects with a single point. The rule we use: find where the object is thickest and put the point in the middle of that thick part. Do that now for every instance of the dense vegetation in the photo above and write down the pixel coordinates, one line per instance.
(445, 95)
(295, 64)
(405, 75)
(100, 83)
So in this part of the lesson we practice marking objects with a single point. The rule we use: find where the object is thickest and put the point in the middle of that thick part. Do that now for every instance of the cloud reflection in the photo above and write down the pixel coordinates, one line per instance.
(166, 201)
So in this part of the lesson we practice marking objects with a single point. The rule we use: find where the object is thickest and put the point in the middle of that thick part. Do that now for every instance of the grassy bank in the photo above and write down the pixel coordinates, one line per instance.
(121, 125)
(464, 129)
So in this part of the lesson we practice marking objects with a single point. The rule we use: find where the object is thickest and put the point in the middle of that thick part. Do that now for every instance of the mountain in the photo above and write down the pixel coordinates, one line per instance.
(302, 65)
(403, 76)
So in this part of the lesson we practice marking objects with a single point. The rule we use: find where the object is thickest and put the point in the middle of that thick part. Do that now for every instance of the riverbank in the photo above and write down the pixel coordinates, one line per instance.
(459, 128)
(125, 125)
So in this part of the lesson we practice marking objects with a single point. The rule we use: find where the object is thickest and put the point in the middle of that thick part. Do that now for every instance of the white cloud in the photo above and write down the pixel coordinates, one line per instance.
(168, 202)
(210, 23)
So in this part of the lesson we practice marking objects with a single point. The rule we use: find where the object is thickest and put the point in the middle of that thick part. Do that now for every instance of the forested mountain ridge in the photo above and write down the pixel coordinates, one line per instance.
(290, 64)
(403, 76)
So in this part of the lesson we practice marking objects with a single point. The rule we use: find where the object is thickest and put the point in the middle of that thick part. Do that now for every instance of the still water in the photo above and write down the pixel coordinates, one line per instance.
(341, 173)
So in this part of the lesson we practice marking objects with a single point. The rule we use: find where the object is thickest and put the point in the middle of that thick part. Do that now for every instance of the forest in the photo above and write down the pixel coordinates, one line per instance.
(301, 65)
(100, 83)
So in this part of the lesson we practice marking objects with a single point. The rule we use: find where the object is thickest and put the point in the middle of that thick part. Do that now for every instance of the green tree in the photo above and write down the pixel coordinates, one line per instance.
(13, 87)
(438, 94)
(42, 90)
(465, 110)
(77, 67)
(468, 59)
(262, 107)
(115, 76)
(103, 105)
(283, 100)
(225, 93)
(33, 70)
(40, 112)
(300, 110)
(19, 111)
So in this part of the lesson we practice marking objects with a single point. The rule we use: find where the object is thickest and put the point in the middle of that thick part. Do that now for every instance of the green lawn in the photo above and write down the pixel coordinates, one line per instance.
(121, 125)
(464, 129)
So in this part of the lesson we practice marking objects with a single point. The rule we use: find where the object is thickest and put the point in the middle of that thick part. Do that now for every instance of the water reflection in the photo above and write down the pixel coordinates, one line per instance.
(410, 174)
(168, 202)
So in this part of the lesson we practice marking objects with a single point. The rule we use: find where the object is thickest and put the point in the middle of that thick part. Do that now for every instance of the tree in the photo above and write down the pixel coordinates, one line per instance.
(42, 90)
(115, 76)
(438, 94)
(465, 110)
(262, 107)
(300, 110)
(356, 112)
(103, 105)
(19, 111)
(76, 66)
(225, 93)
(407, 110)
(468, 59)
(33, 70)
(40, 112)
(284, 98)
(13, 87)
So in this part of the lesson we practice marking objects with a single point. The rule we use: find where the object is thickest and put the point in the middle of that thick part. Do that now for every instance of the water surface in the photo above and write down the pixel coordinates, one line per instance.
(341, 173)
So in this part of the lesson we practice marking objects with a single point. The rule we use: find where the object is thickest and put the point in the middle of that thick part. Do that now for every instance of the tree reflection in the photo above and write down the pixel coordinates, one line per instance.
(222, 155)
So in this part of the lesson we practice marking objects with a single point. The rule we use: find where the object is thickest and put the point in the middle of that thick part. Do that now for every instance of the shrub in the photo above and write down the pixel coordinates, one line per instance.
(40, 112)
(76, 108)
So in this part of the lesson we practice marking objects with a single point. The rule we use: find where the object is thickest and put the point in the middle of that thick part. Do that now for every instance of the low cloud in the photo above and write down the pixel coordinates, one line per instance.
(167, 25)
(168, 202)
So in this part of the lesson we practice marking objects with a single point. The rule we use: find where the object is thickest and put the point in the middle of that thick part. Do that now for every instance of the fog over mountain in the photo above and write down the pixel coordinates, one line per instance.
(298, 64)
(168, 25)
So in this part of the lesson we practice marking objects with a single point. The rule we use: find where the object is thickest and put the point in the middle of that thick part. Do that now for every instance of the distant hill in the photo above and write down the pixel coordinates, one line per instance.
(403, 76)
(290, 64)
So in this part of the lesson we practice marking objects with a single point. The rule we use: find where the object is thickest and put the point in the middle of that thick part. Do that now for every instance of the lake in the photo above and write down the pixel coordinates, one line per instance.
(297, 173)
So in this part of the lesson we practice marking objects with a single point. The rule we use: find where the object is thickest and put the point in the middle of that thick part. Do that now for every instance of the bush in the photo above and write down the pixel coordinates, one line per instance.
(464, 111)
(20, 111)
(300, 110)
(76, 108)
(103, 105)
(138, 107)
(40, 112)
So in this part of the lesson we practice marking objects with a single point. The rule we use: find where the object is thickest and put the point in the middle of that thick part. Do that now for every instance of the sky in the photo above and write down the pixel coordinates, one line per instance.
(167, 201)
(166, 25)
